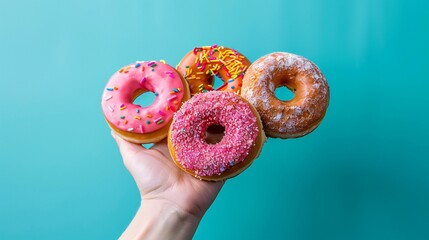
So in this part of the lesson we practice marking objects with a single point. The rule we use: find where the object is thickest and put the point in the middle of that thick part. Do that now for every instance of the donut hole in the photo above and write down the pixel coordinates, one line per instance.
(147, 145)
(218, 82)
(283, 93)
(144, 99)
(214, 134)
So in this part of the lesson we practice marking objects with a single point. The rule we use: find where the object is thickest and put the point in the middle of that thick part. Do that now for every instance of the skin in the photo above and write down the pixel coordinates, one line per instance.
(172, 201)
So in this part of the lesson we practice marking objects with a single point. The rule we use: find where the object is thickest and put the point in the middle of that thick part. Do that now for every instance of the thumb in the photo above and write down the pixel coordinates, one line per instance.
(129, 151)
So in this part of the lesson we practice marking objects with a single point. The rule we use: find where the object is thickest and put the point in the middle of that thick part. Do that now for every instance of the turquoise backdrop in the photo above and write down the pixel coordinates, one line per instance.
(363, 174)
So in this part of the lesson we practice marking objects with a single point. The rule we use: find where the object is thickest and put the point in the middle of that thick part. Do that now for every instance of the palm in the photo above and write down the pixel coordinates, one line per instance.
(158, 178)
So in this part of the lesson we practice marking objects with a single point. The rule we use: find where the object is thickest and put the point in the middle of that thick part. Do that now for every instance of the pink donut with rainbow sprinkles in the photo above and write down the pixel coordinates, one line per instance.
(143, 124)
(241, 143)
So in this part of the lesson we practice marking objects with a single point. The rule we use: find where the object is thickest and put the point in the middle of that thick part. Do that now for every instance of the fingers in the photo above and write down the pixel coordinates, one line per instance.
(218, 184)
(162, 147)
(214, 134)
(213, 138)
(129, 151)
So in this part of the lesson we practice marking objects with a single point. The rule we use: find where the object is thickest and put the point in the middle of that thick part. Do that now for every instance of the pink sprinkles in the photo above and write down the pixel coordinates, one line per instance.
(169, 73)
(196, 115)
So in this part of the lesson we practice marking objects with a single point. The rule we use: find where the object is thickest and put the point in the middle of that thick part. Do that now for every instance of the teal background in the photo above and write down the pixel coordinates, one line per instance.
(363, 174)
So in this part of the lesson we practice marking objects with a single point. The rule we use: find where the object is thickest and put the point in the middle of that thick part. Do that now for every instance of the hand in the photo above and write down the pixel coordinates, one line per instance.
(164, 188)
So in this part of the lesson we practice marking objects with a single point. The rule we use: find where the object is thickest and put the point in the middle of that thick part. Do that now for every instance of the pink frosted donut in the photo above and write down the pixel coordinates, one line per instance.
(241, 144)
(143, 124)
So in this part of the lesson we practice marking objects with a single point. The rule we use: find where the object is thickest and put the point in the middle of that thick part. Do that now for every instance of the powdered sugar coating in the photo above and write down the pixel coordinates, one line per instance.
(190, 124)
(297, 116)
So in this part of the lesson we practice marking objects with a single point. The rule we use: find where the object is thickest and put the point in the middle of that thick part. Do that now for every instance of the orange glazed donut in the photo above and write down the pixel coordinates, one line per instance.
(200, 66)
(298, 116)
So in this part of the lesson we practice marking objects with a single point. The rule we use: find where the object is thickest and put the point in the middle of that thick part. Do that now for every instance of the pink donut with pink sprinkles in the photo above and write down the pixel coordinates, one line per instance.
(241, 143)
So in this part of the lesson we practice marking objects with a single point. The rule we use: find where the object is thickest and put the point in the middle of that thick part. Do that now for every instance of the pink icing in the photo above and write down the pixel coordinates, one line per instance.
(156, 77)
(196, 115)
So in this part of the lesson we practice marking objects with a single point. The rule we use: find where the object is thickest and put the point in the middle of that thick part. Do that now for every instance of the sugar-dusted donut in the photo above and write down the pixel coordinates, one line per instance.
(241, 144)
(200, 66)
(298, 116)
(143, 124)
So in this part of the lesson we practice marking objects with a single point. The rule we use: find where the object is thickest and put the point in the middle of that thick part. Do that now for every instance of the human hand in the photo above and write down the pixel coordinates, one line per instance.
(168, 194)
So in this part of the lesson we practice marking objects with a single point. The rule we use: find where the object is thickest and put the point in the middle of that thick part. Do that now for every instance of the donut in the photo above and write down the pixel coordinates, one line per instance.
(133, 122)
(200, 65)
(298, 116)
(241, 144)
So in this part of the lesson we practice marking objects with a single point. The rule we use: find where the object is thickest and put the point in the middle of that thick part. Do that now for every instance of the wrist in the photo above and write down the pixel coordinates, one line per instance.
(159, 219)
